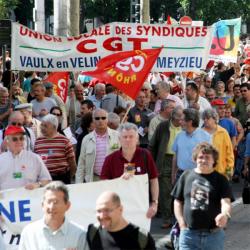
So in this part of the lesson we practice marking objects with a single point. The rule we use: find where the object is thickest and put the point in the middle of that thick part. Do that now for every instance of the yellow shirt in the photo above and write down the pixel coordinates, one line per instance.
(222, 142)
(174, 131)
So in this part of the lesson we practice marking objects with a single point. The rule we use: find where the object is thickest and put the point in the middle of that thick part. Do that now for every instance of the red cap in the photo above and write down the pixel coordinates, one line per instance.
(247, 60)
(12, 130)
(217, 102)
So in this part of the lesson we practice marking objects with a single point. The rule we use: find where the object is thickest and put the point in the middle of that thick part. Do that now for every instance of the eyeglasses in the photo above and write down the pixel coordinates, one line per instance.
(107, 210)
(243, 90)
(100, 118)
(144, 89)
(56, 114)
(17, 124)
(15, 139)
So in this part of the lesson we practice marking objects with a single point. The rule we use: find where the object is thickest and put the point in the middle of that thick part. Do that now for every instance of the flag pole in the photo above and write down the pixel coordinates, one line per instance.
(124, 117)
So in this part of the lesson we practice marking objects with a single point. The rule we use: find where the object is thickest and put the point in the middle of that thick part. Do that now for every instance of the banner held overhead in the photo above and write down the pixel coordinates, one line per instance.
(185, 48)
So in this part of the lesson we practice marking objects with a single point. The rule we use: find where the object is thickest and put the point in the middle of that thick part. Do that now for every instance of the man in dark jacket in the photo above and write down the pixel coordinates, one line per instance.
(161, 148)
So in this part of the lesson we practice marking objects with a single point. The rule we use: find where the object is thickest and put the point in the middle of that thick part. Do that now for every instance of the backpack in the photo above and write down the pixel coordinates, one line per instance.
(142, 235)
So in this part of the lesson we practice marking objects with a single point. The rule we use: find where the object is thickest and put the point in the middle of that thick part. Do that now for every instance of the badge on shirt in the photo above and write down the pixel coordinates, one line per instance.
(129, 168)
(138, 169)
(17, 175)
(137, 118)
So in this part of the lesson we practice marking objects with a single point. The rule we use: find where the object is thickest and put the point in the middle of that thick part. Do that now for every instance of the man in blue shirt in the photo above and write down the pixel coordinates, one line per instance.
(226, 123)
(186, 141)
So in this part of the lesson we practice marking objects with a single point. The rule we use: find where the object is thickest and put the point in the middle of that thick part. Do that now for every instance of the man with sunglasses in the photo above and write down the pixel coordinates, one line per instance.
(95, 147)
(19, 167)
(16, 118)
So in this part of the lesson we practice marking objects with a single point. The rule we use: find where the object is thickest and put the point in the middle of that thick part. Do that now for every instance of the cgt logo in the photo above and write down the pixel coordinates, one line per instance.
(134, 63)
(125, 71)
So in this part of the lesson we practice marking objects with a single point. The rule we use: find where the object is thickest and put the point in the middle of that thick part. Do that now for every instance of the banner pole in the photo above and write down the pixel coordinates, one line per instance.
(123, 119)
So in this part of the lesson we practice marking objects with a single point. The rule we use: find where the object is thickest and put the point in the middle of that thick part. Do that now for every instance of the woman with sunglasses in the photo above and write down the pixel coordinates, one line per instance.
(58, 113)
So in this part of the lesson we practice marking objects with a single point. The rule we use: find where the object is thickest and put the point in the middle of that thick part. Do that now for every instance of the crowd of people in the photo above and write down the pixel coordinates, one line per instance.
(188, 131)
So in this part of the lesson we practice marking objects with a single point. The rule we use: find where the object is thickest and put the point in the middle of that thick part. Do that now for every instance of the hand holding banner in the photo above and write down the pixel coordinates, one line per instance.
(126, 70)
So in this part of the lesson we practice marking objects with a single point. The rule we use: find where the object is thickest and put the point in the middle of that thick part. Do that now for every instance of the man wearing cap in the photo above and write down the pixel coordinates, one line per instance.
(29, 121)
(19, 167)
(59, 102)
(17, 119)
(226, 123)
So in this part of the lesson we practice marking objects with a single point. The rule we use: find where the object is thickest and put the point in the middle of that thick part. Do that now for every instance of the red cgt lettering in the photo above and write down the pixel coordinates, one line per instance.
(111, 44)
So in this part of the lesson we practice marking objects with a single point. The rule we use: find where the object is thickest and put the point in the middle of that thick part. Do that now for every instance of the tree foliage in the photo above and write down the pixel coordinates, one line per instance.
(211, 11)
(107, 10)
(6, 6)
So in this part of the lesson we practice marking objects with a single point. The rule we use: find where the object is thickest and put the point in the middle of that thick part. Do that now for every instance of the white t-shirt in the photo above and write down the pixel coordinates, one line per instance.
(24, 168)
(46, 104)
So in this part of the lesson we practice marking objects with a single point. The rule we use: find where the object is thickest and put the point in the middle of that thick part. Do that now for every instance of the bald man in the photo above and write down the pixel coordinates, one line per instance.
(114, 231)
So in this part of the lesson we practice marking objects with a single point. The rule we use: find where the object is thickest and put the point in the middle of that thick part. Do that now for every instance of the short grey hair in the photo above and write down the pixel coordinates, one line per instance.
(127, 126)
(99, 86)
(14, 114)
(114, 118)
(164, 85)
(177, 113)
(57, 186)
(3, 90)
(165, 103)
(51, 119)
(210, 113)
(98, 110)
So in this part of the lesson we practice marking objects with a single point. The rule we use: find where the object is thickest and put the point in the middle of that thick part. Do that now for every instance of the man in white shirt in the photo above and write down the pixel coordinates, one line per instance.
(19, 167)
(41, 104)
(54, 230)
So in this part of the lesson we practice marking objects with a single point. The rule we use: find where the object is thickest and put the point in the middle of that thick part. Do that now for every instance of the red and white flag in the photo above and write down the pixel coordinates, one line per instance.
(60, 81)
(126, 70)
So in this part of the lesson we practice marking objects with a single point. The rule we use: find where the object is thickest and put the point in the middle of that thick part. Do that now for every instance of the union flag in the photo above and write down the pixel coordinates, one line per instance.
(60, 81)
(126, 70)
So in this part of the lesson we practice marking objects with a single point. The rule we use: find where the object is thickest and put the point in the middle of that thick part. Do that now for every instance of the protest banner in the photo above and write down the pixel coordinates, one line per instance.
(126, 70)
(20, 206)
(185, 48)
(60, 82)
(226, 39)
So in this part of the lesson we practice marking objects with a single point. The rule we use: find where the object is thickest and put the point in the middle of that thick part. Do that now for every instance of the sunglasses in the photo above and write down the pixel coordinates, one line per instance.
(100, 118)
(15, 139)
(144, 89)
(17, 124)
(56, 114)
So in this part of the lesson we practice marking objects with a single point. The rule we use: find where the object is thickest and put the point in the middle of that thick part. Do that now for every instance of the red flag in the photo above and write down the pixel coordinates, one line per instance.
(60, 81)
(126, 70)
(169, 21)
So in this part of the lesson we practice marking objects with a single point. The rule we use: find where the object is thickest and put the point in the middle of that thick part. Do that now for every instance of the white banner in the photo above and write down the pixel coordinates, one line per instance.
(20, 206)
(186, 48)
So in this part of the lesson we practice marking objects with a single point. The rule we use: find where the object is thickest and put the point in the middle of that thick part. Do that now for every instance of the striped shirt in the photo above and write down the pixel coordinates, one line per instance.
(101, 152)
(55, 153)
